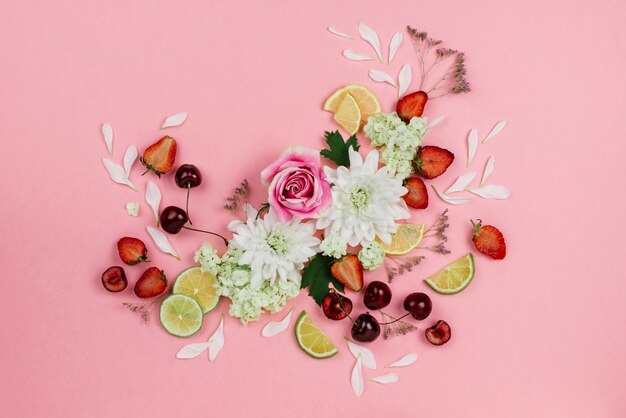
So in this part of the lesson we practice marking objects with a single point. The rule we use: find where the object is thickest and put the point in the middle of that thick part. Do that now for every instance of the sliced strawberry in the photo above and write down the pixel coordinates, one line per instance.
(433, 161)
(489, 240)
(417, 197)
(411, 105)
(151, 283)
(159, 157)
(349, 271)
(114, 279)
(132, 250)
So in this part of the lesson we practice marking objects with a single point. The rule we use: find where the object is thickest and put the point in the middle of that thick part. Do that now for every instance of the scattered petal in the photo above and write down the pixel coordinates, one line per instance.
(216, 342)
(492, 191)
(453, 200)
(275, 328)
(488, 169)
(370, 35)
(153, 197)
(462, 182)
(161, 241)
(386, 379)
(355, 56)
(367, 357)
(433, 123)
(496, 130)
(357, 378)
(107, 132)
(382, 77)
(337, 32)
(174, 120)
(117, 173)
(472, 144)
(404, 79)
(395, 43)
(129, 159)
(404, 361)
(192, 350)
(132, 208)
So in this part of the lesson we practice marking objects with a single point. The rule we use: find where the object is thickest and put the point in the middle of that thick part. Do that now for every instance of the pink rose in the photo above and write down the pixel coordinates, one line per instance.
(296, 184)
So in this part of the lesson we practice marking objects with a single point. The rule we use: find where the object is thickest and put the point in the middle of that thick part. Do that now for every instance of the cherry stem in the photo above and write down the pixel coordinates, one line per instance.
(187, 204)
(207, 232)
(395, 320)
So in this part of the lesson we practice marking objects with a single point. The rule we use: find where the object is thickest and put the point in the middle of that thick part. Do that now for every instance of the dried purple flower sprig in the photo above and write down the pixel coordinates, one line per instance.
(238, 199)
(437, 230)
(144, 309)
(453, 80)
(397, 266)
(395, 326)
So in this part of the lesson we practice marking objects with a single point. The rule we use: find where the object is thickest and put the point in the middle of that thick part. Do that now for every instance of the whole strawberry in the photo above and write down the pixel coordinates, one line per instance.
(159, 157)
(489, 240)
(151, 283)
(132, 250)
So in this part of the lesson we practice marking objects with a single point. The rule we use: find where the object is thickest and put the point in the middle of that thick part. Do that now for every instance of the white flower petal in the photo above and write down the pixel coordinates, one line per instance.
(337, 32)
(495, 131)
(357, 378)
(488, 169)
(367, 357)
(404, 79)
(434, 123)
(161, 241)
(492, 191)
(472, 144)
(192, 350)
(395, 43)
(355, 56)
(107, 133)
(174, 120)
(453, 200)
(404, 361)
(386, 379)
(370, 35)
(129, 159)
(462, 182)
(382, 77)
(153, 197)
(216, 342)
(117, 174)
(275, 328)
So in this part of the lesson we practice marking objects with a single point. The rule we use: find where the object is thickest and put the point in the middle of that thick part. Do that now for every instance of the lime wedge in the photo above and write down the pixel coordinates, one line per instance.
(200, 285)
(406, 238)
(312, 340)
(181, 315)
(454, 277)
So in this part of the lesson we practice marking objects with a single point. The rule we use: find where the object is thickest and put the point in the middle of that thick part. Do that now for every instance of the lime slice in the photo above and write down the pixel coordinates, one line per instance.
(312, 340)
(454, 277)
(406, 238)
(200, 285)
(348, 115)
(365, 99)
(181, 315)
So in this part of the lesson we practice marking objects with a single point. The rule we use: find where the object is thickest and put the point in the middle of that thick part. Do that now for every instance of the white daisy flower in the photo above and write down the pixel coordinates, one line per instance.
(366, 201)
(272, 249)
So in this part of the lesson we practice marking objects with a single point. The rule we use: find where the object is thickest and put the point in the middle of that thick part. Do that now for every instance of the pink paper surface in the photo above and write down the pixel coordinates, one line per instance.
(539, 334)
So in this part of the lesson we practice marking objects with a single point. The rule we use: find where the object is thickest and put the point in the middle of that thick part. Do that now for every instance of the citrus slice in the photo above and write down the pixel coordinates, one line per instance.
(200, 285)
(406, 238)
(181, 315)
(348, 115)
(365, 99)
(454, 277)
(312, 340)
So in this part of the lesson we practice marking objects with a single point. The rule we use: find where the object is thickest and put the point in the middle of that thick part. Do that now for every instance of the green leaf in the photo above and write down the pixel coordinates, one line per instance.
(338, 149)
(317, 276)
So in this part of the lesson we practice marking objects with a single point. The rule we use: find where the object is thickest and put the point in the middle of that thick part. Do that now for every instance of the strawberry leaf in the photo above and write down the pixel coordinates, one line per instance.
(317, 276)
(338, 149)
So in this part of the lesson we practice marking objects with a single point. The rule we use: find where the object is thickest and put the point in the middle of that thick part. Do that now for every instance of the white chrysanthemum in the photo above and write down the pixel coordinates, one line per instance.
(273, 250)
(366, 201)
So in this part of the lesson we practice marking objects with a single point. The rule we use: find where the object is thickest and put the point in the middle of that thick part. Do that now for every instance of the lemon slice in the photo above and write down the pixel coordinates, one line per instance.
(200, 285)
(454, 277)
(406, 238)
(181, 315)
(348, 115)
(365, 99)
(312, 340)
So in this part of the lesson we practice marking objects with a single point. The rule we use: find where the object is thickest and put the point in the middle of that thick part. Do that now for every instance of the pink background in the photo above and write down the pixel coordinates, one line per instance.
(539, 334)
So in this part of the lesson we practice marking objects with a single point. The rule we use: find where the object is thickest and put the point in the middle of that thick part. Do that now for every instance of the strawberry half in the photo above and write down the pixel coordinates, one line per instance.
(349, 271)
(132, 250)
(411, 105)
(489, 240)
(159, 157)
(433, 161)
(151, 283)
(417, 197)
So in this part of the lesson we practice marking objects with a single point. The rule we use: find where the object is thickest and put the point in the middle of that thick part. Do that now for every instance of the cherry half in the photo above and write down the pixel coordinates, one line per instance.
(377, 295)
(336, 306)
(439, 334)
(187, 177)
(418, 305)
(366, 328)
(114, 279)
(173, 219)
